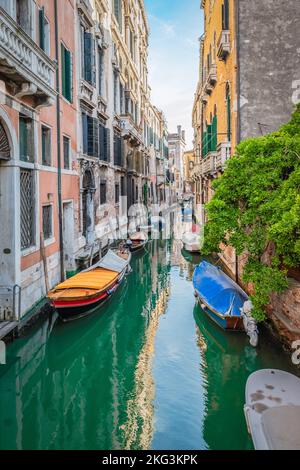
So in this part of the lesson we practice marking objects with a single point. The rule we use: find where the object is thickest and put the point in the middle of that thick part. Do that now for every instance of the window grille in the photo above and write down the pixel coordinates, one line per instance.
(47, 222)
(27, 220)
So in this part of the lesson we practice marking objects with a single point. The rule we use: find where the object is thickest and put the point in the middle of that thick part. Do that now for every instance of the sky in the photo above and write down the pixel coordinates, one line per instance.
(175, 27)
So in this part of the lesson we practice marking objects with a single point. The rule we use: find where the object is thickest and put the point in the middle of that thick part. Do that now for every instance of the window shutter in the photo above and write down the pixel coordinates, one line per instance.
(90, 136)
(88, 65)
(228, 118)
(42, 27)
(107, 144)
(63, 70)
(96, 137)
(68, 75)
(209, 138)
(23, 140)
(84, 134)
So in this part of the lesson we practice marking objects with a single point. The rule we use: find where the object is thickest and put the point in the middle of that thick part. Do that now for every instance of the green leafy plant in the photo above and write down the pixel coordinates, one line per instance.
(256, 210)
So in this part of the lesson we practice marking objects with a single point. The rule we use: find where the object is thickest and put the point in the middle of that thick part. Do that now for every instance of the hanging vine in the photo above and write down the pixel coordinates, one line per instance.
(256, 209)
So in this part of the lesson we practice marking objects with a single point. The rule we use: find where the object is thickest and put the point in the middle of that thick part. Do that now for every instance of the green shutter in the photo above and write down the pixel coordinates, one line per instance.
(214, 134)
(23, 139)
(209, 138)
(68, 75)
(228, 118)
(63, 71)
(42, 27)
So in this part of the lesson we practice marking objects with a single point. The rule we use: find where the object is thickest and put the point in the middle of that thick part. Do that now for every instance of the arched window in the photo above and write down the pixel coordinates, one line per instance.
(4, 144)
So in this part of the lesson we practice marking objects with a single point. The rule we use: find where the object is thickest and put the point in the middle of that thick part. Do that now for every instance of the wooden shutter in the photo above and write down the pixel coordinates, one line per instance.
(214, 134)
(42, 28)
(96, 137)
(107, 144)
(209, 138)
(63, 70)
(68, 74)
(90, 136)
(84, 134)
(23, 139)
(88, 65)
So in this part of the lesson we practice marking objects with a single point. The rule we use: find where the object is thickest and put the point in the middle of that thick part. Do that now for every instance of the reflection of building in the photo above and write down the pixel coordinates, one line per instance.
(176, 150)
(189, 163)
(74, 390)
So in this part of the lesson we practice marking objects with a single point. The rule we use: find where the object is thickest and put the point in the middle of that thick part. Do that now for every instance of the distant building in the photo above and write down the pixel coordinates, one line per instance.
(177, 147)
(189, 163)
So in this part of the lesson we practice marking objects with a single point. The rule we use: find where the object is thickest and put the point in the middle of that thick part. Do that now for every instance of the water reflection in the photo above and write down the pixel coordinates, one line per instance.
(142, 373)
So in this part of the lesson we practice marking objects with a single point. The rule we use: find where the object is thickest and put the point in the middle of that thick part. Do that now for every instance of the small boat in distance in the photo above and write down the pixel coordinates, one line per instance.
(90, 289)
(191, 242)
(220, 297)
(137, 241)
(272, 410)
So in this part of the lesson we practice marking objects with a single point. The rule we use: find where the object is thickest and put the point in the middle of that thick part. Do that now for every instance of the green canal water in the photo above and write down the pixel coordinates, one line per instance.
(148, 371)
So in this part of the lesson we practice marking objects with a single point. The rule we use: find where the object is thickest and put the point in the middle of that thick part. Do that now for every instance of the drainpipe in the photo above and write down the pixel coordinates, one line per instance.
(58, 123)
(237, 91)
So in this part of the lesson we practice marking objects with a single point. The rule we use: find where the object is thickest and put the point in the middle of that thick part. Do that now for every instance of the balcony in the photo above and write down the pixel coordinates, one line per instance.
(130, 131)
(224, 153)
(224, 45)
(208, 164)
(211, 80)
(23, 65)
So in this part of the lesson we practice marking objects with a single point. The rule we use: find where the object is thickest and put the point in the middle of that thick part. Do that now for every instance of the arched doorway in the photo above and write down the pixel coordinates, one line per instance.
(88, 191)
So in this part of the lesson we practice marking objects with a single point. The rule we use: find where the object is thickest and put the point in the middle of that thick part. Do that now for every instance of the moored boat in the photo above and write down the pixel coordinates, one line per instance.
(138, 241)
(272, 410)
(220, 297)
(191, 242)
(90, 289)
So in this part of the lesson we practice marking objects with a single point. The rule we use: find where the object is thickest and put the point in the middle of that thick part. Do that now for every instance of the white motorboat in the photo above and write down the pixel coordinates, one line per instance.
(272, 410)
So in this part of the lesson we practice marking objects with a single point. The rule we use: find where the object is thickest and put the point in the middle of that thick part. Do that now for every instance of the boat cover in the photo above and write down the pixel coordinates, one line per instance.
(272, 410)
(113, 262)
(218, 291)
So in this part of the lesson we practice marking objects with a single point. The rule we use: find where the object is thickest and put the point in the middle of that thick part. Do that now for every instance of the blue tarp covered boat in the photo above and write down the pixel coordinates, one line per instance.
(220, 296)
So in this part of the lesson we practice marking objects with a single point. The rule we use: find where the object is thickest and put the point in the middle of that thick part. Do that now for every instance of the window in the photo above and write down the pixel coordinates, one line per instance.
(123, 187)
(100, 71)
(23, 16)
(225, 15)
(66, 152)
(116, 82)
(104, 143)
(103, 192)
(228, 112)
(137, 194)
(46, 146)
(117, 193)
(66, 73)
(118, 150)
(90, 135)
(122, 99)
(26, 139)
(47, 222)
(44, 32)
(118, 12)
(89, 59)
(27, 221)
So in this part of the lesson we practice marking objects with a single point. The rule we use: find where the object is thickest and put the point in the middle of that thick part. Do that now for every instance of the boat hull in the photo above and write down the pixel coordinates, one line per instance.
(138, 248)
(231, 323)
(75, 309)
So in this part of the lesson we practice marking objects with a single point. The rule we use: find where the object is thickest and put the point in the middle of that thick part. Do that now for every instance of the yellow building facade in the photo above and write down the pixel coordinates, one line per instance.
(214, 111)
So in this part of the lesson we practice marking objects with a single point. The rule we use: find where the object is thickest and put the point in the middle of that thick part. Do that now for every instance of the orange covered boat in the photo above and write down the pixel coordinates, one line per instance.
(90, 289)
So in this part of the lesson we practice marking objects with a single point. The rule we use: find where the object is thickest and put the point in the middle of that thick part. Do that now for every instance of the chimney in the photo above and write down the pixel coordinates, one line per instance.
(179, 130)
(183, 135)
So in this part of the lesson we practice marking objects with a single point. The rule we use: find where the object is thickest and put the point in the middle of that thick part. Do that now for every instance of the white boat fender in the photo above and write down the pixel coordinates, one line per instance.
(250, 324)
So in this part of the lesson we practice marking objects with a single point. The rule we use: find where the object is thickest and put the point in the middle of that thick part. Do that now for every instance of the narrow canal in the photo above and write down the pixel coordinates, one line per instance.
(148, 371)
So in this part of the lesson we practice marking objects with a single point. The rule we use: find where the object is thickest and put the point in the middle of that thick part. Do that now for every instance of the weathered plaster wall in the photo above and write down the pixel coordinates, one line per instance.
(269, 56)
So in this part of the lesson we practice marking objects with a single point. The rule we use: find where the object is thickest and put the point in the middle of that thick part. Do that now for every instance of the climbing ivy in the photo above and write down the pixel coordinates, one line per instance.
(256, 209)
